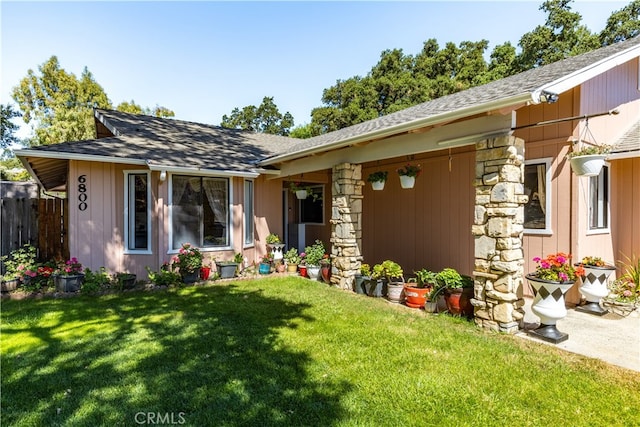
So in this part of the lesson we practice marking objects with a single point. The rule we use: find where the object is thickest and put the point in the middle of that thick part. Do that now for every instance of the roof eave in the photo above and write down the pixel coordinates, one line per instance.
(580, 76)
(404, 127)
(75, 156)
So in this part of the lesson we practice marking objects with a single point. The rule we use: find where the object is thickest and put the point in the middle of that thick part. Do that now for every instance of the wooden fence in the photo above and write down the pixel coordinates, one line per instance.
(27, 218)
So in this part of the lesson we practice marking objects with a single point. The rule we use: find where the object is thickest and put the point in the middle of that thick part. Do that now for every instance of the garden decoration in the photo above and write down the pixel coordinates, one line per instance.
(552, 279)
(594, 284)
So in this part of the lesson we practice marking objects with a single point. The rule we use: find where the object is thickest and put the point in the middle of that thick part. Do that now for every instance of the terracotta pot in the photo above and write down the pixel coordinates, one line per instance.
(280, 268)
(459, 301)
(415, 297)
(325, 270)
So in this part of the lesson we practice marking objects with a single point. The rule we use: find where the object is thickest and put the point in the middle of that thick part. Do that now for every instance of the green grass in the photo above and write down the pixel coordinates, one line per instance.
(287, 352)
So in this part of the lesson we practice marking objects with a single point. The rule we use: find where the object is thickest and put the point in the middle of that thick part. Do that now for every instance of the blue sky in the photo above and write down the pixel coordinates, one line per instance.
(202, 59)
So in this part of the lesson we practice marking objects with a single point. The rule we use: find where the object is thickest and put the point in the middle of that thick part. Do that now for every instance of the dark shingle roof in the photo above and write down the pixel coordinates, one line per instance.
(176, 143)
(630, 141)
(520, 84)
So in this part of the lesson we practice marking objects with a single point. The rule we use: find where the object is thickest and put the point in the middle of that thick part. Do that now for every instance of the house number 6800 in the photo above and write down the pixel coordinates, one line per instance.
(82, 192)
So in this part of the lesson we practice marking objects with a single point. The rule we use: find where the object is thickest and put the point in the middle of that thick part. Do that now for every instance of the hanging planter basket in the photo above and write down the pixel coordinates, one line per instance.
(589, 165)
(301, 194)
(407, 181)
(378, 185)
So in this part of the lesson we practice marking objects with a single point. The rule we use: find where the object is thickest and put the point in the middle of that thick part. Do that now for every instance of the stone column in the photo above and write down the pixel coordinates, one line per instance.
(346, 224)
(498, 229)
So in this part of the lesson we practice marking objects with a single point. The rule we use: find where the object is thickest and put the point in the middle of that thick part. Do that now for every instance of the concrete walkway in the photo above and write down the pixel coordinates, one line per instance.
(612, 338)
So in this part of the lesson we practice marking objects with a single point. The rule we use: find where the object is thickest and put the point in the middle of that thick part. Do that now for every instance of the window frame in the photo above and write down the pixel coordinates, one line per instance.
(127, 213)
(229, 180)
(547, 230)
(249, 223)
(607, 229)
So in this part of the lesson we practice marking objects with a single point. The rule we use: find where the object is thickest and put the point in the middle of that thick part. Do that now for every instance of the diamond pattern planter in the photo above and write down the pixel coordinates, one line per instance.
(548, 305)
(594, 288)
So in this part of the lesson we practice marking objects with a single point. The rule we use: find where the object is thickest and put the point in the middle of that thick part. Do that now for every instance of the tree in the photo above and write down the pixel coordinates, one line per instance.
(562, 36)
(60, 104)
(7, 127)
(265, 118)
(622, 24)
(133, 108)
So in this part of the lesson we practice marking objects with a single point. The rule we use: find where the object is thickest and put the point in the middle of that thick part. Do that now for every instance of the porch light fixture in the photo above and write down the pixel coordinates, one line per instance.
(548, 97)
(163, 175)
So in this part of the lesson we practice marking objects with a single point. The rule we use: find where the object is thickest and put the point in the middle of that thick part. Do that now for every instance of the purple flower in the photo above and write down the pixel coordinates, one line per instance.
(563, 276)
(537, 259)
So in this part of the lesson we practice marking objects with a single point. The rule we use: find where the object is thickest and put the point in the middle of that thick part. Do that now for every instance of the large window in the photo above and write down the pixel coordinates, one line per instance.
(599, 201)
(248, 212)
(199, 211)
(537, 185)
(137, 219)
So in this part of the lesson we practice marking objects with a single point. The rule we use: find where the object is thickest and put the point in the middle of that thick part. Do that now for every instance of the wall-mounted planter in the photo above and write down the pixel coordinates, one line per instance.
(407, 181)
(378, 185)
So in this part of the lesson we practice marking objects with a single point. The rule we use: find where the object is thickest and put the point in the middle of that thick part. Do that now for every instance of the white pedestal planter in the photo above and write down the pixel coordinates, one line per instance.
(549, 306)
(594, 288)
(276, 250)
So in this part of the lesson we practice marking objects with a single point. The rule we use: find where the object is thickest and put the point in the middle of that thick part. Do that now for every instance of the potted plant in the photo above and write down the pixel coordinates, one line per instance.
(68, 276)
(458, 291)
(301, 191)
(361, 279)
(205, 271)
(265, 264)
(624, 293)
(227, 269)
(19, 266)
(376, 286)
(594, 284)
(314, 254)
(125, 280)
(408, 175)
(302, 266)
(417, 289)
(292, 259)
(188, 262)
(275, 245)
(377, 180)
(553, 277)
(325, 268)
(588, 160)
(393, 274)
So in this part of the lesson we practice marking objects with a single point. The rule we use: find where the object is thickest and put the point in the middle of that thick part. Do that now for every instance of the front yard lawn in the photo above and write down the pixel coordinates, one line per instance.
(287, 352)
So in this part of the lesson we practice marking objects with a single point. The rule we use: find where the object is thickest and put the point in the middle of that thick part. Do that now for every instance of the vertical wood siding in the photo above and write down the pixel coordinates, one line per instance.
(428, 226)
